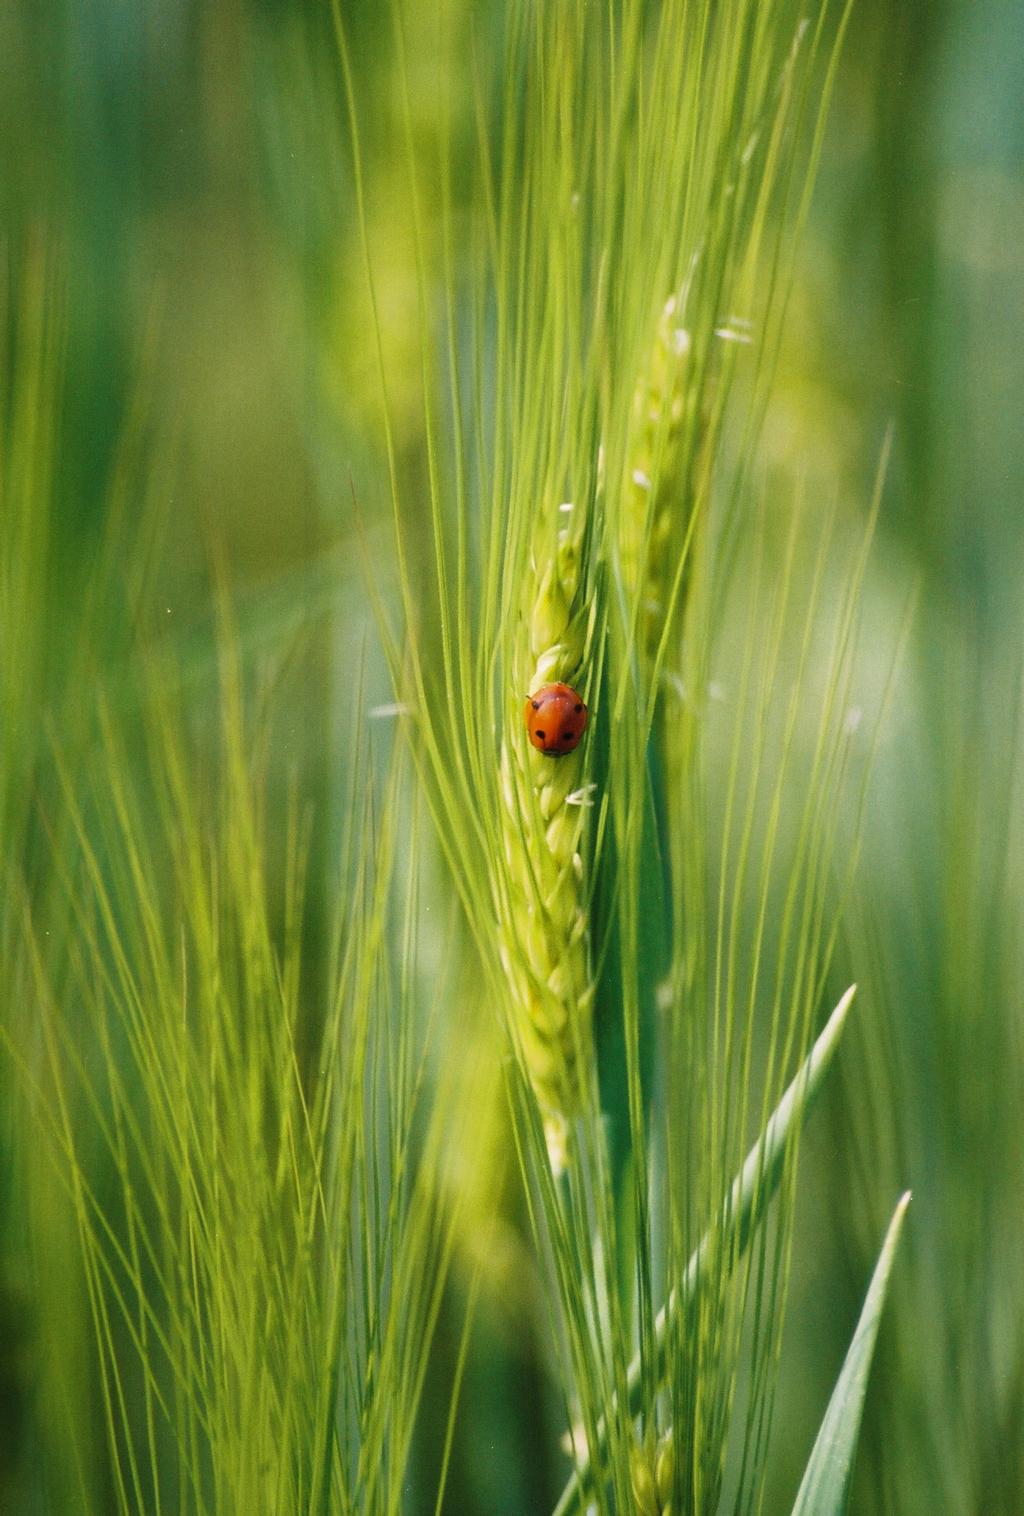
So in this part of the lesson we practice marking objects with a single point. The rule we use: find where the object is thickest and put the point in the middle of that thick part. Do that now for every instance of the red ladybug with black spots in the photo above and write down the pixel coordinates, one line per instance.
(555, 719)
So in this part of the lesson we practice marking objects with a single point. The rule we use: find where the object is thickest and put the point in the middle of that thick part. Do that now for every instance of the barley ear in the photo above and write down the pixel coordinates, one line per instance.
(668, 428)
(541, 898)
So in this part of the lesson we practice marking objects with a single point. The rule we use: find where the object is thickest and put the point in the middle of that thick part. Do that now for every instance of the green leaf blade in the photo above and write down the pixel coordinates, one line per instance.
(826, 1482)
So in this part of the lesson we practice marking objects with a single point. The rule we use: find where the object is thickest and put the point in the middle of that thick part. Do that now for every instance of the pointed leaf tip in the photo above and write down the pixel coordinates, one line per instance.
(825, 1485)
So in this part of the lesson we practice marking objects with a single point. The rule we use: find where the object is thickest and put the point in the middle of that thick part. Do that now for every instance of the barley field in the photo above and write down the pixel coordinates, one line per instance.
(511, 758)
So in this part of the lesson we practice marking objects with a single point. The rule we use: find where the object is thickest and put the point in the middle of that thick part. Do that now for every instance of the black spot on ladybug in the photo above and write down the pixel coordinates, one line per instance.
(535, 704)
(577, 708)
(541, 734)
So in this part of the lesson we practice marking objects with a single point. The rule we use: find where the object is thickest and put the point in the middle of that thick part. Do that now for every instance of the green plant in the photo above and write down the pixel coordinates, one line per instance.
(655, 941)
(255, 1141)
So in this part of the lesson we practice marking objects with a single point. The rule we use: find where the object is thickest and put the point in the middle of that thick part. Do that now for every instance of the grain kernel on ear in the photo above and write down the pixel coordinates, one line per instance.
(641, 1477)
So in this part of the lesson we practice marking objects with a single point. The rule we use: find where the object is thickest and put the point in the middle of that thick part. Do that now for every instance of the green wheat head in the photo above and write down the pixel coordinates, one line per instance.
(541, 892)
(667, 427)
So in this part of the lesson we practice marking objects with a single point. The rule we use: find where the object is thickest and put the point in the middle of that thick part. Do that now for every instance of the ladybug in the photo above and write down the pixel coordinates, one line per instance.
(555, 719)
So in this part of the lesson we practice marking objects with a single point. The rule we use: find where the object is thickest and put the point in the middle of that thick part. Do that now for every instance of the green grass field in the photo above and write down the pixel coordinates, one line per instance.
(396, 1117)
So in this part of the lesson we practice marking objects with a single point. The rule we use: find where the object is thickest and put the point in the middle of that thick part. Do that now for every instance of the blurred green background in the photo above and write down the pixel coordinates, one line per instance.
(176, 180)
